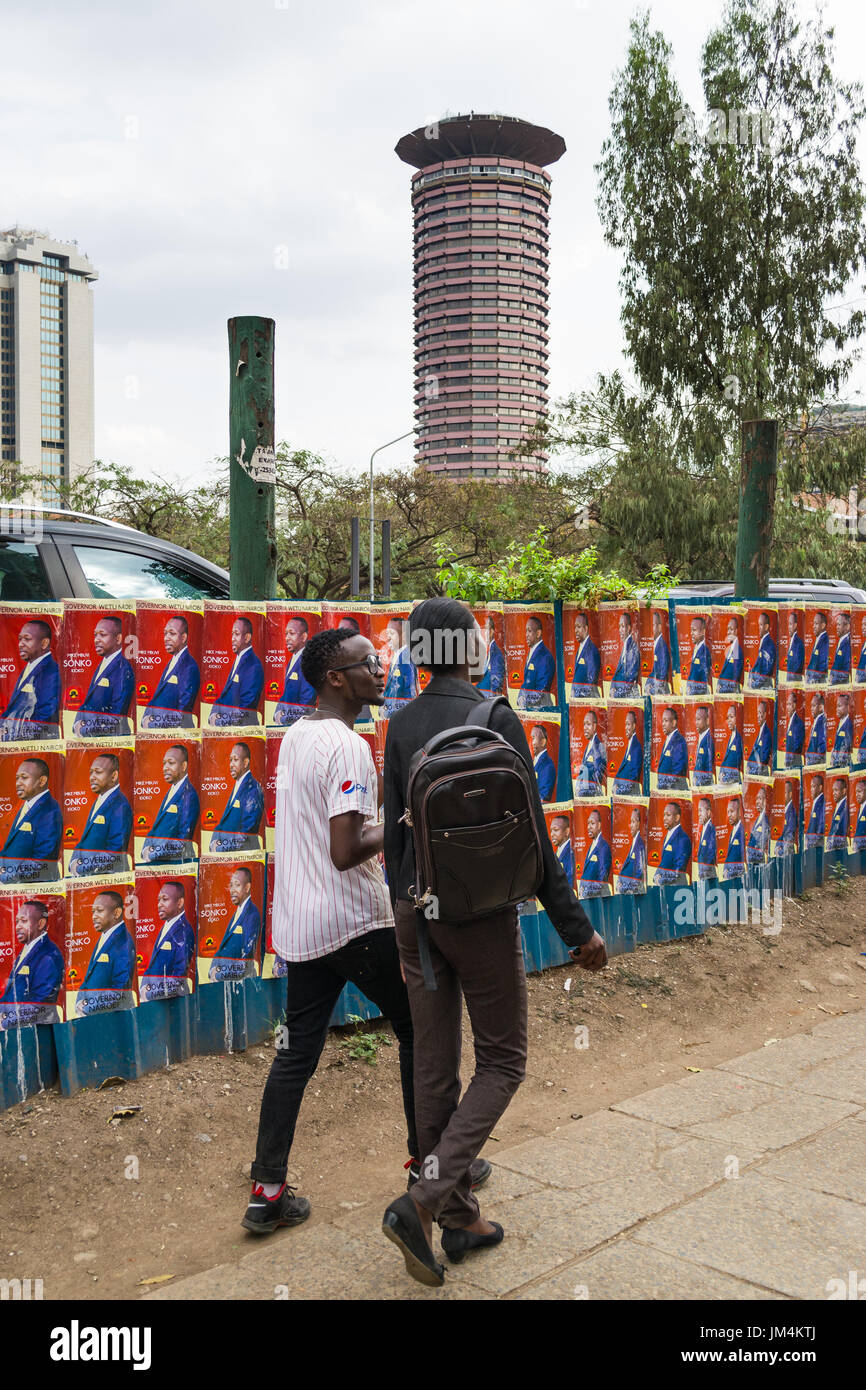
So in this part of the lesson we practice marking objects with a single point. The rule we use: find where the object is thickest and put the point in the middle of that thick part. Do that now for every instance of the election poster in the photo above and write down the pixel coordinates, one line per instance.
(620, 649)
(232, 791)
(592, 847)
(558, 817)
(98, 669)
(166, 800)
(669, 754)
(704, 851)
(858, 643)
(785, 815)
(728, 736)
(757, 811)
(759, 721)
(698, 719)
(730, 833)
(31, 814)
(168, 664)
(97, 809)
(813, 808)
(33, 950)
(836, 811)
(232, 672)
(857, 811)
(816, 639)
(542, 736)
(669, 838)
(288, 629)
(728, 648)
(581, 650)
(625, 747)
(587, 738)
(839, 644)
(273, 965)
(273, 744)
(101, 961)
(815, 733)
(761, 642)
(165, 931)
(629, 816)
(231, 897)
(858, 719)
(530, 652)
(491, 679)
(840, 725)
(368, 733)
(30, 656)
(355, 617)
(654, 639)
(792, 648)
(694, 636)
(389, 633)
(381, 739)
(791, 726)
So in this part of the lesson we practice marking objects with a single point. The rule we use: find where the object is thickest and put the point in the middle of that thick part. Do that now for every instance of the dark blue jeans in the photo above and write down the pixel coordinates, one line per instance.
(312, 989)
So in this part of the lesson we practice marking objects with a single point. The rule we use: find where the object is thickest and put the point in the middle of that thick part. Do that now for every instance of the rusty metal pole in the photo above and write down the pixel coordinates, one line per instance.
(758, 469)
(252, 466)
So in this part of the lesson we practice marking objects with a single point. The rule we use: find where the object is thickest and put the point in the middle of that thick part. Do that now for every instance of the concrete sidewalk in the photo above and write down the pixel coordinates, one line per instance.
(747, 1180)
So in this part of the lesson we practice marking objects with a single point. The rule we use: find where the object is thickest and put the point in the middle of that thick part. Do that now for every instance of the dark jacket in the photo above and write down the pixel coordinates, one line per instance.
(445, 704)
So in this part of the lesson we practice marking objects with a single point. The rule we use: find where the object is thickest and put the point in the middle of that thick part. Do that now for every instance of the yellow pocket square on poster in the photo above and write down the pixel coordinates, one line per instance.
(25, 825)
(103, 959)
(236, 806)
(235, 678)
(238, 931)
(27, 689)
(171, 810)
(166, 946)
(25, 970)
(172, 680)
(99, 820)
(592, 858)
(293, 675)
(531, 666)
(103, 680)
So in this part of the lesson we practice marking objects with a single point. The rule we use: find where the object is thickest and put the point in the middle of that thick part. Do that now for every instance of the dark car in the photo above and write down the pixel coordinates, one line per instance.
(53, 555)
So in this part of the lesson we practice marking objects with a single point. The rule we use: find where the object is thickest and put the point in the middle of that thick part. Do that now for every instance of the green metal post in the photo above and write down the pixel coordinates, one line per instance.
(760, 442)
(252, 469)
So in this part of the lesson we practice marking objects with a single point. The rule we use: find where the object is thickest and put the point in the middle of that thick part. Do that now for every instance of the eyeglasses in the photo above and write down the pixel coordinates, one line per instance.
(371, 661)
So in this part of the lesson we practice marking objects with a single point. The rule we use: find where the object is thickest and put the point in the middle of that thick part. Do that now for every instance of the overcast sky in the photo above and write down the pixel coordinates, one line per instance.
(223, 157)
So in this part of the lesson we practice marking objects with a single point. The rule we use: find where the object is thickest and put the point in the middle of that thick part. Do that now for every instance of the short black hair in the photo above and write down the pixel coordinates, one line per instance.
(242, 869)
(433, 634)
(42, 627)
(112, 618)
(41, 909)
(541, 729)
(179, 618)
(42, 768)
(298, 618)
(351, 623)
(116, 899)
(111, 758)
(245, 748)
(319, 654)
(179, 748)
(245, 623)
(173, 883)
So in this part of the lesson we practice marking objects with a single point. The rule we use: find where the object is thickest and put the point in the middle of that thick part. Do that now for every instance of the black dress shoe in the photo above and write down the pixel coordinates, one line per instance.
(402, 1225)
(458, 1243)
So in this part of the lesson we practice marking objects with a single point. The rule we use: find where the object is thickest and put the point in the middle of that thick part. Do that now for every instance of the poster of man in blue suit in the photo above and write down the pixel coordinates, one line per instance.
(236, 956)
(735, 850)
(786, 842)
(542, 762)
(705, 840)
(628, 775)
(813, 812)
(759, 738)
(658, 681)
(109, 976)
(729, 676)
(237, 704)
(695, 657)
(794, 653)
(166, 975)
(792, 731)
(700, 743)
(595, 873)
(560, 838)
(625, 681)
(297, 697)
(31, 710)
(103, 844)
(238, 829)
(672, 768)
(32, 991)
(842, 742)
(760, 647)
(837, 831)
(632, 875)
(32, 847)
(816, 732)
(819, 655)
(586, 681)
(174, 700)
(730, 752)
(536, 673)
(757, 823)
(401, 681)
(492, 680)
(858, 829)
(840, 658)
(172, 838)
(675, 857)
(106, 708)
(589, 751)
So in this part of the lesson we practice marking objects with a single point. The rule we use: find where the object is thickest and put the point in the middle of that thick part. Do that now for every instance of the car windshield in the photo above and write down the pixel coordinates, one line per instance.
(125, 574)
(22, 574)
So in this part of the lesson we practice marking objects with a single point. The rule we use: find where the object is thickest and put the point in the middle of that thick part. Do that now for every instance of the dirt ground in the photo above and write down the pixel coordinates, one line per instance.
(70, 1215)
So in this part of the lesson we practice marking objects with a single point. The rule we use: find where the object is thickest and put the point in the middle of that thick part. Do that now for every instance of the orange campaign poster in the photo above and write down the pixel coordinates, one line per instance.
(836, 810)
(791, 726)
(166, 802)
(168, 664)
(30, 656)
(31, 812)
(288, 629)
(232, 671)
(728, 648)
(730, 832)
(792, 648)
(669, 838)
(101, 964)
(273, 966)
(761, 642)
(389, 633)
(233, 775)
(669, 754)
(815, 734)
(97, 809)
(654, 637)
(490, 679)
(625, 747)
(530, 653)
(581, 647)
(368, 732)
(813, 808)
(858, 643)
(728, 737)
(166, 926)
(620, 649)
(380, 744)
(757, 813)
(698, 720)
(558, 817)
(587, 740)
(839, 646)
(352, 614)
(231, 898)
(785, 815)
(816, 642)
(840, 726)
(273, 743)
(33, 951)
(857, 811)
(542, 735)
(592, 847)
(694, 639)
(704, 839)
(629, 825)
(759, 720)
(858, 717)
(98, 668)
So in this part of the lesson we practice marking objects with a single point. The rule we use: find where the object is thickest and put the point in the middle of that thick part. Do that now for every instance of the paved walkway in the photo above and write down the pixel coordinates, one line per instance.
(746, 1180)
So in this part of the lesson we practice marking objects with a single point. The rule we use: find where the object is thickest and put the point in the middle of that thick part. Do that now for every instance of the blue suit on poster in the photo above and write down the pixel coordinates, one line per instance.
(699, 671)
(493, 680)
(545, 772)
(538, 673)
(661, 672)
(762, 751)
(794, 736)
(816, 819)
(104, 842)
(675, 856)
(36, 695)
(33, 985)
(109, 974)
(593, 768)
(789, 828)
(243, 687)
(627, 673)
(175, 693)
(796, 655)
(735, 857)
(587, 667)
(817, 749)
(170, 838)
(842, 743)
(166, 973)
(731, 764)
(817, 668)
(565, 855)
(860, 828)
(634, 867)
(110, 694)
(839, 825)
(861, 666)
(674, 760)
(402, 682)
(764, 670)
(596, 870)
(706, 856)
(32, 848)
(703, 774)
(630, 770)
(731, 674)
(241, 817)
(840, 671)
(759, 840)
(233, 957)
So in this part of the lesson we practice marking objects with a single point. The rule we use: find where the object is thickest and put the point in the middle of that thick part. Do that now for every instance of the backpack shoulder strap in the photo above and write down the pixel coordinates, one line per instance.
(482, 712)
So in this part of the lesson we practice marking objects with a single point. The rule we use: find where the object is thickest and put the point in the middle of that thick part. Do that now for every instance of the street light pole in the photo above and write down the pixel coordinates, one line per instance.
(407, 435)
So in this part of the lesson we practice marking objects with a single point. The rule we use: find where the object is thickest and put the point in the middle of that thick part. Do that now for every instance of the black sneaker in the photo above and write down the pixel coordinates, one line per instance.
(266, 1214)
(479, 1172)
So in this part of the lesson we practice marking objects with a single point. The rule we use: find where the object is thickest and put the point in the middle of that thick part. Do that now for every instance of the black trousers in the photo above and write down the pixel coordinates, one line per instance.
(312, 989)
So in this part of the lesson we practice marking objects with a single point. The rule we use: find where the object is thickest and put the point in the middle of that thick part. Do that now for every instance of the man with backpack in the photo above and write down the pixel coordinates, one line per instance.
(477, 826)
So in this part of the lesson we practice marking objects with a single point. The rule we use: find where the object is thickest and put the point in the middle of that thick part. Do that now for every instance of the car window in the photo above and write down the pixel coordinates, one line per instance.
(124, 574)
(22, 573)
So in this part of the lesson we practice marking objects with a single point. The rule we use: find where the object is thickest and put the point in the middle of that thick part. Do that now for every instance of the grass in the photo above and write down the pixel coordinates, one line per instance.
(363, 1044)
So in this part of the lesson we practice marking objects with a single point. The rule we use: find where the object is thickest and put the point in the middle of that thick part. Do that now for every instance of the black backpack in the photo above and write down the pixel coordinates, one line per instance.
(471, 812)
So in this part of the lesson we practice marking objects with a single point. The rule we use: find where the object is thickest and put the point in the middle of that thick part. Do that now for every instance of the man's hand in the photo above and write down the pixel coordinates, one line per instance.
(592, 955)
